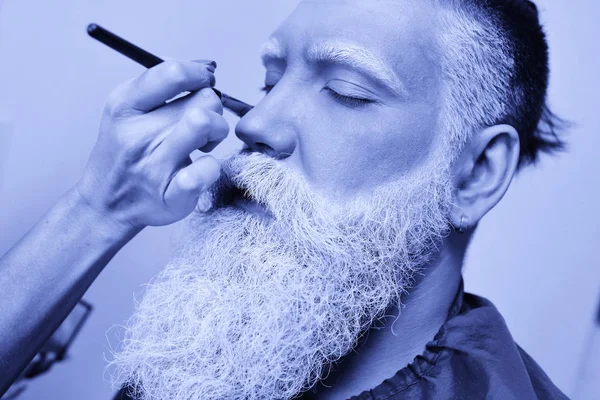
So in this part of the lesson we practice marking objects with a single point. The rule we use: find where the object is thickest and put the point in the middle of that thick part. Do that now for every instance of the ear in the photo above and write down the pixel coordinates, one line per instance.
(482, 174)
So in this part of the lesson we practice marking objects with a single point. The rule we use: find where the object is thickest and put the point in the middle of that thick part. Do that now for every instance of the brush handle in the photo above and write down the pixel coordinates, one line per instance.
(149, 60)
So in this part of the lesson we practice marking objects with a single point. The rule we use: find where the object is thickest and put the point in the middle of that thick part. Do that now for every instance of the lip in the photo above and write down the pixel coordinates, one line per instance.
(250, 206)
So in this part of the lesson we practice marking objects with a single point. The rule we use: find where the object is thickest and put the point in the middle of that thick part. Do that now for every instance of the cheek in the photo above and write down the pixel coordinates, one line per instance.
(357, 153)
(411, 138)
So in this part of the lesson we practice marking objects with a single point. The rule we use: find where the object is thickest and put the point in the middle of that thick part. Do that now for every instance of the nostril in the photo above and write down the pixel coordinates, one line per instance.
(264, 148)
(283, 155)
(277, 152)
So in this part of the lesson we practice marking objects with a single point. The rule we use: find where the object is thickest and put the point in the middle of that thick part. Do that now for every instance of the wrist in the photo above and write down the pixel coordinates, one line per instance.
(102, 220)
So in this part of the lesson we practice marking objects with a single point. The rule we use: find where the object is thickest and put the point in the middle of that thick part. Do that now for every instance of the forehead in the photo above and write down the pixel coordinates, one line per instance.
(400, 32)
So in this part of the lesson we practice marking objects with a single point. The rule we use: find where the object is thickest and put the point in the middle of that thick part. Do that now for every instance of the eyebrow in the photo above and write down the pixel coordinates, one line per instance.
(342, 53)
(356, 57)
(272, 50)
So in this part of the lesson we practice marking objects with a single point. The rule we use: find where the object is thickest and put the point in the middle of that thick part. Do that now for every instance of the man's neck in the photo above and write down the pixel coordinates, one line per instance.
(397, 339)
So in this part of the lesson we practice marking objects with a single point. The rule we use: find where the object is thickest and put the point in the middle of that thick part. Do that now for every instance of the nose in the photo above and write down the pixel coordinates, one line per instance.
(264, 129)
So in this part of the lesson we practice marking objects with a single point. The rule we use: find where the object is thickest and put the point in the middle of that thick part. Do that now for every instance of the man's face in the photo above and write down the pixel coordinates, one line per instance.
(357, 198)
(356, 93)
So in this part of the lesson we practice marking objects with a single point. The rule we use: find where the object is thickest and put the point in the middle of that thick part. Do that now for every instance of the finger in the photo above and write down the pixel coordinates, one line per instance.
(161, 83)
(220, 133)
(197, 129)
(205, 98)
(185, 188)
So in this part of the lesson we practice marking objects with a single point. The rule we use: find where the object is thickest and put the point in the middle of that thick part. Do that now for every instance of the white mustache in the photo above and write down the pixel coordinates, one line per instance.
(258, 178)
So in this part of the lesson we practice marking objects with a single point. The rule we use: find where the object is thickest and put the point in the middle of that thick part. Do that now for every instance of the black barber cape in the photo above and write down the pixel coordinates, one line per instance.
(473, 356)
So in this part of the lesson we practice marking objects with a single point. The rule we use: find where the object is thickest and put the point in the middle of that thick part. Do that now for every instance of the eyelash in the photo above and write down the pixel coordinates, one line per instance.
(346, 100)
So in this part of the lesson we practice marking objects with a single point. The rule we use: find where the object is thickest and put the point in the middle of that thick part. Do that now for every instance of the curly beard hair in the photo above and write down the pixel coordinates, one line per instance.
(258, 308)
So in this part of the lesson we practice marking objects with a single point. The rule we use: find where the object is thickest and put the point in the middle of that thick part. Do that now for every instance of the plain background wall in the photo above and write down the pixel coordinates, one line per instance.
(534, 255)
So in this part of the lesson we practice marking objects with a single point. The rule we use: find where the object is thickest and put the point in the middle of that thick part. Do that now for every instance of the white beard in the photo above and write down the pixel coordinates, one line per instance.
(258, 309)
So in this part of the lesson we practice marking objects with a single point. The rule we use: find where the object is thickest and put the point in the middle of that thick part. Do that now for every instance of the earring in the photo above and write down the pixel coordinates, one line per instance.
(463, 224)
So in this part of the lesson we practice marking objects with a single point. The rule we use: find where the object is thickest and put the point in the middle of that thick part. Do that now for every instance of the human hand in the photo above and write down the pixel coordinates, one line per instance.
(139, 172)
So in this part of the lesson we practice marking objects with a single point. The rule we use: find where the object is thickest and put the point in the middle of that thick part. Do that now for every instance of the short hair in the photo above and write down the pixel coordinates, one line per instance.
(495, 68)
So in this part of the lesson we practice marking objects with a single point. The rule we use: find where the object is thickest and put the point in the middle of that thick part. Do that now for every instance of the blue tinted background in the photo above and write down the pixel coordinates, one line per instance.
(534, 255)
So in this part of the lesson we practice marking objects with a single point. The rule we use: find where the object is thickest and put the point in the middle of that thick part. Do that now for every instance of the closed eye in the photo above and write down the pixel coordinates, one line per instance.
(349, 100)
(340, 98)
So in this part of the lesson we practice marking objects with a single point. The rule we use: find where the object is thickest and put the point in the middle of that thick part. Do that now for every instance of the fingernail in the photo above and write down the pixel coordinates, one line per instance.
(209, 62)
